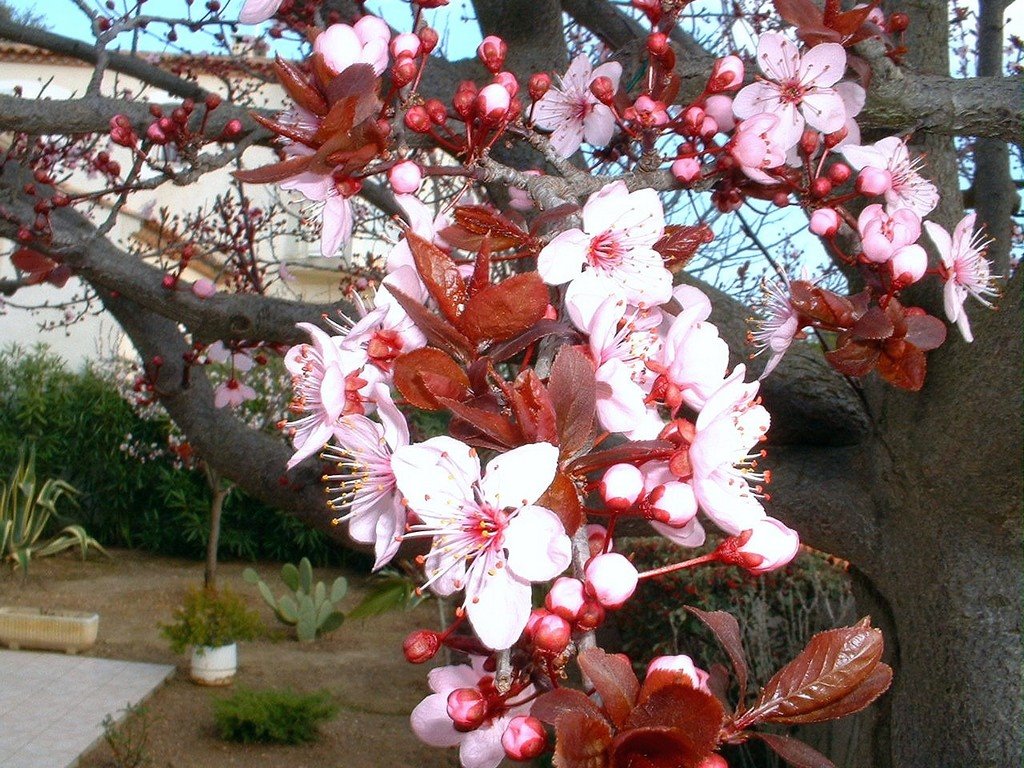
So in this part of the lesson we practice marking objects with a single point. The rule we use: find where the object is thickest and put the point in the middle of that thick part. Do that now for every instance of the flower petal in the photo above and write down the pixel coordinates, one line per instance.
(563, 258)
(519, 477)
(431, 724)
(538, 549)
(498, 605)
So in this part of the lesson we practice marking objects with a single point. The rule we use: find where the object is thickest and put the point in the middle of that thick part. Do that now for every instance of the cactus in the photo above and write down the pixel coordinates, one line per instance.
(308, 607)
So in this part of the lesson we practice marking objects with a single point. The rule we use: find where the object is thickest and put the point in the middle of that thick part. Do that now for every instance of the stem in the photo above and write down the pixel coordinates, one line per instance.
(711, 557)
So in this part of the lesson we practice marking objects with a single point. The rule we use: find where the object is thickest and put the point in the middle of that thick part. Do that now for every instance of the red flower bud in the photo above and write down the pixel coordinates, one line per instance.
(821, 187)
(421, 646)
(551, 633)
(213, 101)
(657, 44)
(524, 738)
(428, 37)
(539, 85)
(492, 52)
(898, 22)
(437, 111)
(467, 707)
(403, 71)
(417, 120)
(839, 173)
(809, 141)
(603, 89)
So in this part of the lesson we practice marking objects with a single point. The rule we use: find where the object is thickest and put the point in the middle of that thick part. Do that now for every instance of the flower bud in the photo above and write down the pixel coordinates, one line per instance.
(657, 44)
(821, 187)
(603, 89)
(406, 45)
(428, 37)
(565, 598)
(155, 134)
(437, 111)
(491, 52)
(692, 118)
(535, 616)
(650, 8)
(417, 120)
(591, 616)
(825, 222)
(873, 181)
(551, 633)
(898, 22)
(421, 646)
(467, 707)
(673, 503)
(492, 102)
(597, 534)
(836, 138)
(809, 141)
(611, 579)
(680, 665)
(621, 486)
(708, 127)
(405, 177)
(765, 546)
(719, 107)
(727, 74)
(508, 81)
(839, 173)
(539, 85)
(524, 738)
(233, 129)
(403, 71)
(169, 282)
(909, 264)
(686, 169)
(713, 761)
(204, 288)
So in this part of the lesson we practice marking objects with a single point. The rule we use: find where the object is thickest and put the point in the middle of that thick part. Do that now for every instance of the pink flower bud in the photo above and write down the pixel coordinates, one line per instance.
(405, 177)
(492, 52)
(524, 738)
(673, 503)
(874, 181)
(492, 102)
(611, 579)
(421, 646)
(713, 761)
(825, 222)
(621, 486)
(403, 71)
(406, 45)
(204, 288)
(155, 134)
(720, 108)
(909, 264)
(708, 127)
(727, 74)
(591, 616)
(692, 118)
(551, 633)
(467, 707)
(535, 616)
(603, 89)
(773, 542)
(508, 81)
(429, 37)
(566, 598)
(681, 665)
(417, 119)
(597, 534)
(539, 85)
(686, 169)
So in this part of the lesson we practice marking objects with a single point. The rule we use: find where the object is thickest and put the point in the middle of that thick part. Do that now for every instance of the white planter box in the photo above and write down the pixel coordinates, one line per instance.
(214, 666)
(68, 631)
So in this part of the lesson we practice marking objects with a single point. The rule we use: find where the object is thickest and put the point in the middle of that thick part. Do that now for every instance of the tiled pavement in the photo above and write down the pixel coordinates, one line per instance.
(52, 705)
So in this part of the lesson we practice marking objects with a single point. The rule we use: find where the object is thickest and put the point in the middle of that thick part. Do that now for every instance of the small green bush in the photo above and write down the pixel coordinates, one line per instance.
(213, 619)
(273, 716)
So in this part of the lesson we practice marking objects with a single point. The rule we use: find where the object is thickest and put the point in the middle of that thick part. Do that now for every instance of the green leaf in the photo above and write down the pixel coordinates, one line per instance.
(389, 594)
(290, 576)
(249, 576)
(339, 589)
(288, 609)
(305, 576)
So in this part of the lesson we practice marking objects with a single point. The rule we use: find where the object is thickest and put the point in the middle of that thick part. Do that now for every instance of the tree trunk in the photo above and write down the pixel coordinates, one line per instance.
(219, 492)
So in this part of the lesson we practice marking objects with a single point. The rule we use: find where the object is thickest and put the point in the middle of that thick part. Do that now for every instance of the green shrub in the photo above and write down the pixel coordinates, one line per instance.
(211, 618)
(272, 716)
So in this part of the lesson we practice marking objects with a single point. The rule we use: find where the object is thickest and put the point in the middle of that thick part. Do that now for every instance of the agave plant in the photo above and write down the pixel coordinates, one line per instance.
(25, 512)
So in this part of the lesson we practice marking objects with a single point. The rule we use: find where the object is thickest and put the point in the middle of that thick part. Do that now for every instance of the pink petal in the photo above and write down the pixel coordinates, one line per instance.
(610, 69)
(567, 137)
(620, 400)
(306, 444)
(431, 724)
(498, 606)
(337, 224)
(778, 58)
(605, 206)
(755, 99)
(824, 110)
(482, 748)
(396, 429)
(538, 549)
(255, 11)
(519, 477)
(563, 258)
(599, 126)
(386, 535)
(823, 65)
(690, 535)
(553, 109)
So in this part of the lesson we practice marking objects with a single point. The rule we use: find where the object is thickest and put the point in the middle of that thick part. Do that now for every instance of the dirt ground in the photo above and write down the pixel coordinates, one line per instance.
(361, 664)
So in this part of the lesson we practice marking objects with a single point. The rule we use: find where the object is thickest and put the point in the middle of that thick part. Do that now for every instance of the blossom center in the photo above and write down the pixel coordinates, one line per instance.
(605, 251)
(791, 92)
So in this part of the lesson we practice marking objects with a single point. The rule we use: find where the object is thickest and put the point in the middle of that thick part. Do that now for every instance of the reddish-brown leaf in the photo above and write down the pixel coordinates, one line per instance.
(440, 275)
(680, 243)
(533, 410)
(506, 349)
(574, 395)
(292, 132)
(28, 260)
(424, 375)
(691, 719)
(925, 332)
(799, 13)
(494, 425)
(613, 678)
(903, 365)
(828, 308)
(581, 741)
(274, 172)
(726, 630)
(832, 665)
(551, 705)
(853, 358)
(298, 87)
(439, 333)
(506, 309)
(481, 267)
(481, 220)
(357, 82)
(652, 747)
(873, 324)
(794, 751)
(850, 22)
(628, 453)
(860, 697)
(563, 499)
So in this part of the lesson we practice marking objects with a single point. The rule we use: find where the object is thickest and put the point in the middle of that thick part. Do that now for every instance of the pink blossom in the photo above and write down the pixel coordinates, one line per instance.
(493, 102)
(908, 188)
(405, 177)
(614, 252)
(691, 363)
(232, 393)
(908, 265)
(728, 427)
(524, 738)
(884, 233)
(874, 181)
(336, 213)
(204, 288)
(825, 222)
(674, 508)
(366, 42)
(773, 542)
(756, 147)
(796, 89)
(239, 359)
(778, 325)
(482, 746)
(683, 666)
(611, 578)
(648, 112)
(489, 537)
(406, 44)
(255, 11)
(565, 598)
(965, 269)
(573, 112)
(621, 486)
(365, 485)
(686, 169)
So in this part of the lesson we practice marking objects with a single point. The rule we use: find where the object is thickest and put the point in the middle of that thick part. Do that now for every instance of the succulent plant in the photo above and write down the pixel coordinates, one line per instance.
(310, 608)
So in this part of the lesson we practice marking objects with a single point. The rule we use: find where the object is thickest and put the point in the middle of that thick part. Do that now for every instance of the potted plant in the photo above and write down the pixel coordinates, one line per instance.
(209, 622)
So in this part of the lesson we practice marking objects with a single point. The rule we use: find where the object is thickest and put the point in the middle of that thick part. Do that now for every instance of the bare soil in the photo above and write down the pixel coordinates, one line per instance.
(361, 664)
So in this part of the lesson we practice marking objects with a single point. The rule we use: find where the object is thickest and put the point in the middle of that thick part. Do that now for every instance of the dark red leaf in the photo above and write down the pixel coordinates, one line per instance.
(438, 332)
(653, 747)
(830, 309)
(495, 426)
(873, 324)
(680, 243)
(849, 22)
(862, 696)
(726, 630)
(799, 13)
(551, 705)
(28, 260)
(563, 499)
(832, 665)
(506, 349)
(424, 375)
(533, 410)
(861, 67)
(274, 172)
(481, 267)
(506, 309)
(298, 87)
(574, 396)
(480, 220)
(853, 358)
(357, 87)
(557, 213)
(794, 751)
(902, 365)
(613, 678)
(637, 451)
(694, 718)
(925, 332)
(581, 741)
(287, 130)
(440, 275)
(59, 275)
